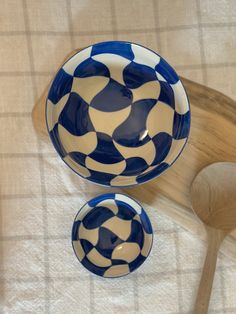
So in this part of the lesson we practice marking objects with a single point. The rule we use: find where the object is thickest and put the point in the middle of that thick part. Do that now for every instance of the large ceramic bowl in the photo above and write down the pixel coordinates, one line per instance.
(117, 114)
(112, 235)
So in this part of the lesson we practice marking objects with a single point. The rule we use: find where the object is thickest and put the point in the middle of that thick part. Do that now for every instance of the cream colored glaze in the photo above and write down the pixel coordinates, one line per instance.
(115, 64)
(83, 212)
(85, 143)
(54, 111)
(121, 227)
(116, 168)
(89, 235)
(160, 119)
(75, 60)
(175, 149)
(84, 172)
(107, 122)
(149, 169)
(97, 259)
(146, 151)
(137, 217)
(117, 270)
(148, 58)
(160, 77)
(79, 250)
(109, 203)
(181, 100)
(88, 87)
(147, 244)
(147, 90)
(123, 180)
(126, 251)
(130, 201)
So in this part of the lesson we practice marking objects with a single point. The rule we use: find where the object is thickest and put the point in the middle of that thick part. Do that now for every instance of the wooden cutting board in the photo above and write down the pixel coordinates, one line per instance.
(212, 138)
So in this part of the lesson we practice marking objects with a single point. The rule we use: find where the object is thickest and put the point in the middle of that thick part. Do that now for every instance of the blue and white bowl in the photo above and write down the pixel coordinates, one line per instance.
(117, 114)
(112, 235)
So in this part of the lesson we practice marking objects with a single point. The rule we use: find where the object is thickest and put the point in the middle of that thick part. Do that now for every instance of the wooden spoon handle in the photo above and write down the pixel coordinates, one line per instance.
(215, 238)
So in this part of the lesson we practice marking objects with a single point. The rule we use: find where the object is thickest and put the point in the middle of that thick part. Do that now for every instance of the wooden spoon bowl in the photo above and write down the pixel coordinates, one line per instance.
(213, 195)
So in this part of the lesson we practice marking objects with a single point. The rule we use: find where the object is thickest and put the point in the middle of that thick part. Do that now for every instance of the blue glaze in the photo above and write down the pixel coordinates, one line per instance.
(136, 75)
(123, 213)
(78, 157)
(132, 131)
(162, 142)
(97, 177)
(146, 222)
(136, 263)
(90, 68)
(134, 166)
(96, 217)
(136, 234)
(75, 117)
(152, 174)
(86, 245)
(93, 268)
(108, 239)
(167, 72)
(136, 121)
(94, 201)
(112, 98)
(118, 262)
(115, 47)
(56, 141)
(167, 94)
(106, 151)
(181, 125)
(75, 230)
(61, 86)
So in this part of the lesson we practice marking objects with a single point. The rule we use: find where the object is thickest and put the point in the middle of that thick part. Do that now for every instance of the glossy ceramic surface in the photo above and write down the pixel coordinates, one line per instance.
(117, 114)
(112, 235)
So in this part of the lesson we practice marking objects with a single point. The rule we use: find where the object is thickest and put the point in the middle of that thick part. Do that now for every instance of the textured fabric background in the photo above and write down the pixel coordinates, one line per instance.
(40, 195)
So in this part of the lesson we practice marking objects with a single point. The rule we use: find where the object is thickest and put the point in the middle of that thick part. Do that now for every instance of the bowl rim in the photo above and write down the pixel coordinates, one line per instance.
(74, 170)
(107, 196)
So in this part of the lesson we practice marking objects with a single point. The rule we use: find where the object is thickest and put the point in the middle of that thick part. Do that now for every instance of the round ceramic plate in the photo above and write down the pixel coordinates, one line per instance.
(117, 114)
(112, 235)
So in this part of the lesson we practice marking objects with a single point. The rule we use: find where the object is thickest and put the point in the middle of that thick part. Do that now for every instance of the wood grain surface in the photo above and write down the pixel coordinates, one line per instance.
(213, 197)
(212, 138)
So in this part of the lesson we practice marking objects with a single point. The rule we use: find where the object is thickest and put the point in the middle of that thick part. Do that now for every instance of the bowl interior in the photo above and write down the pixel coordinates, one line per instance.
(112, 235)
(118, 114)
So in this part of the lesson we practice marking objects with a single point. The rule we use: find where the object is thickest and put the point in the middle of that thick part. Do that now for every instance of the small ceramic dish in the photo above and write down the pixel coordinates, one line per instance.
(117, 114)
(112, 235)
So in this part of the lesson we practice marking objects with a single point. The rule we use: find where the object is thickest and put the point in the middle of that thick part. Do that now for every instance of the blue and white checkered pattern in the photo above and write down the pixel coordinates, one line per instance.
(118, 114)
(112, 235)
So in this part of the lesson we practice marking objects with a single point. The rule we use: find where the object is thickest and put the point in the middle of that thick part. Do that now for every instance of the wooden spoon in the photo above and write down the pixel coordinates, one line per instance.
(213, 195)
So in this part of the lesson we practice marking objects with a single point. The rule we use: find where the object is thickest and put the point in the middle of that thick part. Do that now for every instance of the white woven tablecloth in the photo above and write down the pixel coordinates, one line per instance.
(40, 195)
